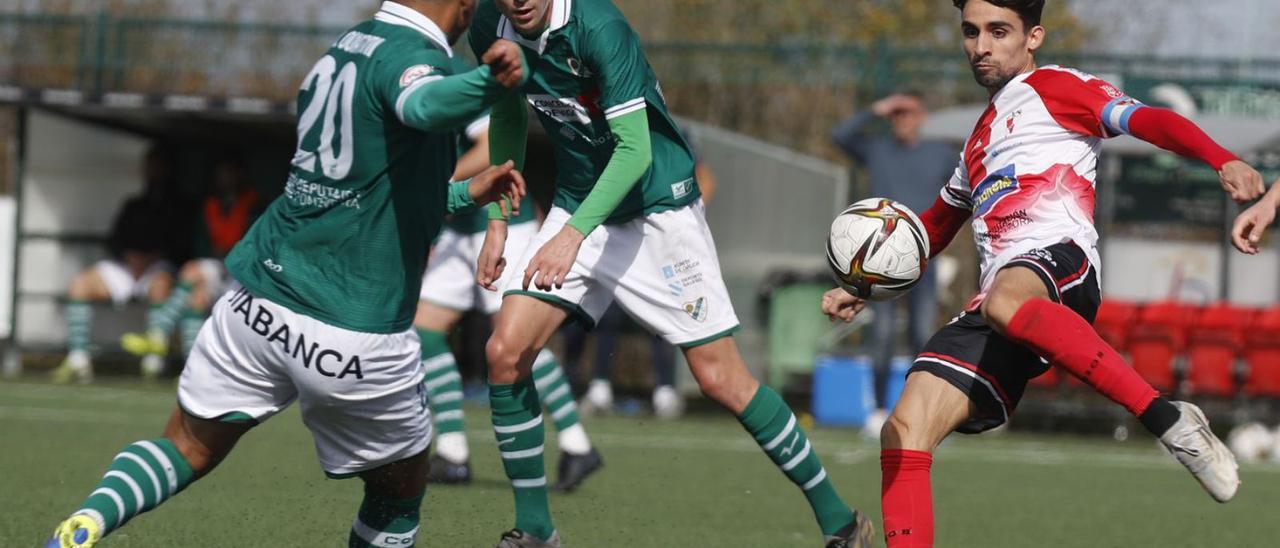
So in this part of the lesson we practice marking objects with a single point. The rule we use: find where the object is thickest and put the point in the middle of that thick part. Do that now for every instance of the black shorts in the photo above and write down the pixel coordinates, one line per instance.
(991, 369)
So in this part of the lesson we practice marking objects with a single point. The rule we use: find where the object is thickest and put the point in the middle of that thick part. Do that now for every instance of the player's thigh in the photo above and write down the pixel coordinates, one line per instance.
(1014, 285)
(666, 275)
(234, 371)
(928, 411)
(90, 285)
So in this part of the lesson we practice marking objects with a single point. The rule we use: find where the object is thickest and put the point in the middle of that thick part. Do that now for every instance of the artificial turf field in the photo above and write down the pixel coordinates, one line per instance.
(697, 482)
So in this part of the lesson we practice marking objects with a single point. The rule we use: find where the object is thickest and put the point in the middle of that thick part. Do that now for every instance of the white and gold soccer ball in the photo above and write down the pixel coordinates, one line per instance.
(877, 249)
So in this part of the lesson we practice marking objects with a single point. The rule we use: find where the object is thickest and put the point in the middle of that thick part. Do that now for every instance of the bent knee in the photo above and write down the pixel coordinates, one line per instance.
(999, 308)
(900, 432)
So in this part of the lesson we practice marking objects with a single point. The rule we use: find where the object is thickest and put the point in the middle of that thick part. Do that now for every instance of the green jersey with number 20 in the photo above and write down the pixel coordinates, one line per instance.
(347, 241)
(588, 68)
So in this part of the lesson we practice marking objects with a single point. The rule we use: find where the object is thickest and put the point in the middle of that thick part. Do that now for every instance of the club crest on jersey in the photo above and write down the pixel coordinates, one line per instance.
(412, 74)
(697, 309)
(1013, 119)
(992, 189)
(578, 68)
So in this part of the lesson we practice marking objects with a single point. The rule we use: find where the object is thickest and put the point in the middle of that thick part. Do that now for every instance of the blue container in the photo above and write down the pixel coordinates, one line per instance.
(898, 368)
(843, 390)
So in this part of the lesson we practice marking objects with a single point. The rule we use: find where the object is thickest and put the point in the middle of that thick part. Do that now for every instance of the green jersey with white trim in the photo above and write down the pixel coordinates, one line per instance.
(588, 68)
(347, 242)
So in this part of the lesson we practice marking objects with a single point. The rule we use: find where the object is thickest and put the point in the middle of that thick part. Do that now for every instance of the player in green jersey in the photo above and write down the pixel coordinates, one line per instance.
(448, 291)
(627, 225)
(327, 281)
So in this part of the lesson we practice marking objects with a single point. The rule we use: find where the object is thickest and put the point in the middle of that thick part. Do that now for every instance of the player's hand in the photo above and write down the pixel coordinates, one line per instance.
(1252, 223)
(491, 263)
(838, 304)
(551, 264)
(502, 184)
(507, 63)
(1241, 181)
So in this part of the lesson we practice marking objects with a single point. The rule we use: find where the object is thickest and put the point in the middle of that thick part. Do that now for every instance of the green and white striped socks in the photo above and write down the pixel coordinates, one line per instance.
(553, 389)
(385, 522)
(517, 424)
(444, 396)
(773, 425)
(162, 317)
(141, 476)
(79, 322)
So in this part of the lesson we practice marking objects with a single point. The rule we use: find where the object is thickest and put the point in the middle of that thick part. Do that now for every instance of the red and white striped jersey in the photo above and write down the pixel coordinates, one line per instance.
(1028, 170)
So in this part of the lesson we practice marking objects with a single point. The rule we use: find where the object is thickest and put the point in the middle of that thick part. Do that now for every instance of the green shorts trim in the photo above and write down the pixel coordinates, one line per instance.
(713, 338)
(575, 312)
(237, 417)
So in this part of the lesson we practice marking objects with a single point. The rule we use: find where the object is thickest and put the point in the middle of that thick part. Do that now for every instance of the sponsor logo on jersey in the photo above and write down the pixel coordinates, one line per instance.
(272, 265)
(992, 189)
(565, 110)
(697, 309)
(312, 355)
(682, 188)
(414, 73)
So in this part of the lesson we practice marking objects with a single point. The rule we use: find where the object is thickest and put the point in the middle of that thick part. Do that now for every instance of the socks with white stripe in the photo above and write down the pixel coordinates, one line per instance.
(385, 522)
(163, 316)
(189, 328)
(444, 396)
(553, 388)
(773, 425)
(141, 476)
(79, 324)
(517, 424)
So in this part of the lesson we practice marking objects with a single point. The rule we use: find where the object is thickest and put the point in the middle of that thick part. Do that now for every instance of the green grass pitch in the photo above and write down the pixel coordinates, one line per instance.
(698, 482)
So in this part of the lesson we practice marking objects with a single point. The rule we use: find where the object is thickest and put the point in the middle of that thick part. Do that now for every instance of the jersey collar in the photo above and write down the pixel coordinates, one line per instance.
(399, 14)
(560, 12)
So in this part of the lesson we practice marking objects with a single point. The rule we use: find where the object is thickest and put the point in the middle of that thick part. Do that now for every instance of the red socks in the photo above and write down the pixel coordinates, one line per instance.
(906, 498)
(1061, 336)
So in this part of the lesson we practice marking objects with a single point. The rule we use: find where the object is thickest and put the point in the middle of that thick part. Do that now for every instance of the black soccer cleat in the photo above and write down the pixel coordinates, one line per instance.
(443, 471)
(575, 468)
(516, 538)
(857, 534)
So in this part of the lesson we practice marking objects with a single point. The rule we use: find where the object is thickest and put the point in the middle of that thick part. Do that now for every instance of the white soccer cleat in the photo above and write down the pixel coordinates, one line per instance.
(1208, 459)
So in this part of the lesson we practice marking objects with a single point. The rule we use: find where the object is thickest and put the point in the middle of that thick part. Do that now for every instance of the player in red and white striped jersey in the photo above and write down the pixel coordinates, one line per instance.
(1026, 184)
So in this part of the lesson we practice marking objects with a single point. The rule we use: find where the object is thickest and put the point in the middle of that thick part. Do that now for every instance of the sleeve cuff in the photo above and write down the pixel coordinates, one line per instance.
(625, 108)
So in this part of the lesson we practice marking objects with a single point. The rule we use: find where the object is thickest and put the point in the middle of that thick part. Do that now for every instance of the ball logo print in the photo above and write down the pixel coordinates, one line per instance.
(877, 249)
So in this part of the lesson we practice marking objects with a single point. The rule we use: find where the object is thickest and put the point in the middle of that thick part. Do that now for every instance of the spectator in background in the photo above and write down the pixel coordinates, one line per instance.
(667, 403)
(151, 233)
(223, 218)
(903, 167)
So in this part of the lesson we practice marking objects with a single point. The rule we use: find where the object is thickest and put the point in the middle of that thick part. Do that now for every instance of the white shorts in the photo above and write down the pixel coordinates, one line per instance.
(216, 277)
(450, 279)
(121, 284)
(661, 268)
(361, 393)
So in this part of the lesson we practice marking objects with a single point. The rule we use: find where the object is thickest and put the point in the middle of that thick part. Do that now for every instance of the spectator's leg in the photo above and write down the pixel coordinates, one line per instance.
(600, 392)
(86, 288)
(667, 403)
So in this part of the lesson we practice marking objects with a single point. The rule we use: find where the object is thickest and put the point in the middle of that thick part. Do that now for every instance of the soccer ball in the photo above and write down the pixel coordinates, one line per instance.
(877, 249)
(1250, 441)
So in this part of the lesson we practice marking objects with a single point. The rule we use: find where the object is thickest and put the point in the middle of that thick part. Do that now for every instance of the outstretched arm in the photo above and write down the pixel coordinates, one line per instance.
(1169, 130)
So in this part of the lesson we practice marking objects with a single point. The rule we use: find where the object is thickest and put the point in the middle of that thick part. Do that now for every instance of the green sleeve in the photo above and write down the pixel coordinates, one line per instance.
(508, 134)
(435, 103)
(631, 159)
(459, 198)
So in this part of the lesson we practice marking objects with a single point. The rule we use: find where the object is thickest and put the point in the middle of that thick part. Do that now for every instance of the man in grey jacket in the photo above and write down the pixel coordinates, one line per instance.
(903, 167)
